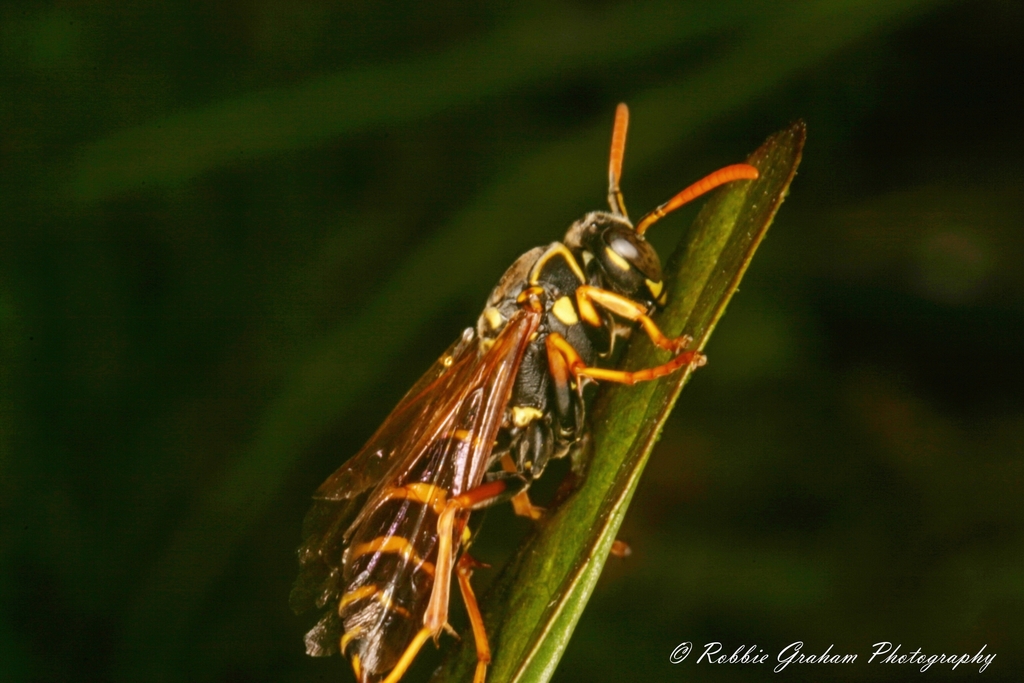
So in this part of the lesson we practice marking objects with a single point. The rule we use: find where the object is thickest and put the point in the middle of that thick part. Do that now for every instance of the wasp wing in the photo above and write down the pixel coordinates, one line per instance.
(441, 433)
(340, 497)
(366, 468)
(450, 447)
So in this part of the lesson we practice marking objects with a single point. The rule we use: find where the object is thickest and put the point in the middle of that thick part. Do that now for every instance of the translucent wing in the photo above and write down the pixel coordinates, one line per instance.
(441, 433)
(367, 467)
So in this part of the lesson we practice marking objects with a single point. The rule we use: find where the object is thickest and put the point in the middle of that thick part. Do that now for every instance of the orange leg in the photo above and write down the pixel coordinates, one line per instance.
(620, 549)
(563, 353)
(464, 570)
(435, 618)
(521, 501)
(474, 498)
(407, 657)
(587, 296)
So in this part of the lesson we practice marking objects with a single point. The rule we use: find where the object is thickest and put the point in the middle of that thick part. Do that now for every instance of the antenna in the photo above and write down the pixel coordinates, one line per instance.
(615, 199)
(719, 177)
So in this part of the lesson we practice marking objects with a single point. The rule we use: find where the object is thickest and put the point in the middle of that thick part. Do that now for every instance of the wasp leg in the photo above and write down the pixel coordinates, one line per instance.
(436, 615)
(562, 356)
(521, 501)
(435, 619)
(523, 507)
(587, 296)
(620, 549)
(514, 483)
(464, 570)
(408, 656)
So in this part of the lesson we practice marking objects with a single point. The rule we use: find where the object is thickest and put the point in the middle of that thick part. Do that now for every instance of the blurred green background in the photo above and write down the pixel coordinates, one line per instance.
(234, 233)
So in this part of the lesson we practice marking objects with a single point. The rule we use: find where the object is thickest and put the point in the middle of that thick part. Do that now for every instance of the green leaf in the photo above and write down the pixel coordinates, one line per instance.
(534, 605)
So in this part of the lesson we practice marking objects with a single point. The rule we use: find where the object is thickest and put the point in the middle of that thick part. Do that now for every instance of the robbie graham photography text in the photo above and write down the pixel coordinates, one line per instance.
(797, 653)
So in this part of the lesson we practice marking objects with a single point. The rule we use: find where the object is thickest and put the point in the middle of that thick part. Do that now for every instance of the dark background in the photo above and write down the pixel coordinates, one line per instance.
(234, 233)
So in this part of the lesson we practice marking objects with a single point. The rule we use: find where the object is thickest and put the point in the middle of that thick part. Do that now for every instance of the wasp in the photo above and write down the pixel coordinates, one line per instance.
(388, 530)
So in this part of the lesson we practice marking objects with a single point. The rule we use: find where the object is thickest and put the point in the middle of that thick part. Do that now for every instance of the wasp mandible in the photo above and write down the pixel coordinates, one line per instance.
(389, 528)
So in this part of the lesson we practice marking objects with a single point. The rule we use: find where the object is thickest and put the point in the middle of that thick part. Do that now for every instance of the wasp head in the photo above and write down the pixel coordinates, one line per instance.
(617, 258)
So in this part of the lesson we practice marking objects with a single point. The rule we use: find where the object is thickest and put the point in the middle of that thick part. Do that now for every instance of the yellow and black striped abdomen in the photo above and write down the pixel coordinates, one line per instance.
(388, 577)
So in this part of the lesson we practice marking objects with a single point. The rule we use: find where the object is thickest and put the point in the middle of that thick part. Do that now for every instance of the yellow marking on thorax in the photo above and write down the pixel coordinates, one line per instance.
(655, 287)
(493, 317)
(392, 544)
(564, 311)
(532, 298)
(557, 250)
(524, 415)
(614, 257)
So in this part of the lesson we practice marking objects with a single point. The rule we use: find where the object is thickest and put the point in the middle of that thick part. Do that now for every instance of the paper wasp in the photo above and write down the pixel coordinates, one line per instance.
(389, 528)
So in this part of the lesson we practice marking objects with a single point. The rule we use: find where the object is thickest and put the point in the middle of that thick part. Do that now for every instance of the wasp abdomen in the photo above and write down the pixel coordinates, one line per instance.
(388, 575)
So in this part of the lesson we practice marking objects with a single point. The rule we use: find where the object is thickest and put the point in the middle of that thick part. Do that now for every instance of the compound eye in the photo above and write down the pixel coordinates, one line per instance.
(624, 248)
(622, 253)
